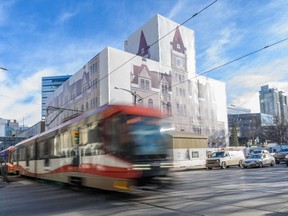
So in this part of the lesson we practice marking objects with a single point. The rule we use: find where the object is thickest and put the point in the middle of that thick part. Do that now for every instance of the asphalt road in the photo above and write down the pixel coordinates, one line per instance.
(234, 191)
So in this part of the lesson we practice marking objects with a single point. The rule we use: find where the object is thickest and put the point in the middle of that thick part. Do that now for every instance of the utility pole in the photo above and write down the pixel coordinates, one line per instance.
(133, 93)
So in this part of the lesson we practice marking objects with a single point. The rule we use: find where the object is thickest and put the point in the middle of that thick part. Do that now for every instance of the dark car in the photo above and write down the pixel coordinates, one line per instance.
(280, 156)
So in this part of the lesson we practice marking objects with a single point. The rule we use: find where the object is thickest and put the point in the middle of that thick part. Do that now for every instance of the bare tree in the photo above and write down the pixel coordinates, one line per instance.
(276, 132)
(234, 135)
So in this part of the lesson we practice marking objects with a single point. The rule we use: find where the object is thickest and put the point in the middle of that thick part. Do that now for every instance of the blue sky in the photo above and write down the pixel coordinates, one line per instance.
(43, 38)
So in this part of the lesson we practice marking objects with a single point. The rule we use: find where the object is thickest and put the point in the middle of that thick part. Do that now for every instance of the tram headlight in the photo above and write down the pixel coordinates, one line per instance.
(141, 167)
(166, 165)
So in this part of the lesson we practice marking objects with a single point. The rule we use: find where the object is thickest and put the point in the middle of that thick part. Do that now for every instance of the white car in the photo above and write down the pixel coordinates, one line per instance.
(286, 159)
(259, 160)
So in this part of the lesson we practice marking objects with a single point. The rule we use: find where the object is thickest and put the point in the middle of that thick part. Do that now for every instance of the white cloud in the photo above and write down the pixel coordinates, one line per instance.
(177, 8)
(249, 100)
(13, 106)
(4, 8)
(244, 87)
(64, 17)
(221, 45)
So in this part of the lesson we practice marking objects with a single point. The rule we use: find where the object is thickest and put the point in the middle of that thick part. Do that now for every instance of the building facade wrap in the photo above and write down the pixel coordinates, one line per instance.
(160, 69)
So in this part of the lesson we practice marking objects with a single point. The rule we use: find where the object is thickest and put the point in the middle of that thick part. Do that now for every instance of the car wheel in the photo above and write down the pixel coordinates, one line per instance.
(260, 164)
(277, 162)
(272, 163)
(210, 168)
(223, 165)
(240, 163)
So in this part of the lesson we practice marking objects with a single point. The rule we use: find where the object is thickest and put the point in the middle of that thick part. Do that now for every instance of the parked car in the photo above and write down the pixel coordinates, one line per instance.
(225, 159)
(260, 152)
(259, 160)
(286, 159)
(280, 156)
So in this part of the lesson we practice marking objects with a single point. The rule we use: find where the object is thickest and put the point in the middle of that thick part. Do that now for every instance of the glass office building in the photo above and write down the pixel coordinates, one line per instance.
(49, 85)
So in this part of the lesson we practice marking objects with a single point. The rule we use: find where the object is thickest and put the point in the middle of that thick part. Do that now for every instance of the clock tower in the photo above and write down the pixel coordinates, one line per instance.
(178, 53)
(180, 92)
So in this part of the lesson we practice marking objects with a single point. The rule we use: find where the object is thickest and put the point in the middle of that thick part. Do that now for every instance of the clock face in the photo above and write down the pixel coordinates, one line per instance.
(179, 62)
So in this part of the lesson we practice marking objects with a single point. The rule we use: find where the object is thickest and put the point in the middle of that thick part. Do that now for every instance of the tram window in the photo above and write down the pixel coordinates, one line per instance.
(27, 156)
(48, 147)
(89, 134)
(40, 150)
(112, 132)
(73, 153)
(88, 152)
(56, 148)
(63, 154)
(66, 140)
(31, 152)
(22, 154)
(83, 135)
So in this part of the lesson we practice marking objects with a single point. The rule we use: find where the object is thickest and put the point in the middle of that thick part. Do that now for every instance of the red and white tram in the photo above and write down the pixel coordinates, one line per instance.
(116, 147)
(6, 160)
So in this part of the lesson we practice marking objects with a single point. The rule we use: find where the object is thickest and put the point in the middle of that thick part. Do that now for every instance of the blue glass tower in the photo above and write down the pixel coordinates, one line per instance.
(49, 85)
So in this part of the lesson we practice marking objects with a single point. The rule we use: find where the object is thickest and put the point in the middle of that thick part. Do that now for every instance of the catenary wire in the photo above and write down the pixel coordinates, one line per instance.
(227, 63)
(157, 41)
(126, 62)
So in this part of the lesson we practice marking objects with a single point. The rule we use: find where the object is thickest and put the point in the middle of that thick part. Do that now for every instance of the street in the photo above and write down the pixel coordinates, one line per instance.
(233, 191)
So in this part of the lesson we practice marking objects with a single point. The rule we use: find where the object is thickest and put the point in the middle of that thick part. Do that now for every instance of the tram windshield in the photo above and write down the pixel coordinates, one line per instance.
(135, 138)
(147, 137)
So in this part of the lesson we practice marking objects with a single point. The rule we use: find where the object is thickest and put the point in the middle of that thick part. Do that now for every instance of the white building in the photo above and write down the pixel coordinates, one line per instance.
(160, 69)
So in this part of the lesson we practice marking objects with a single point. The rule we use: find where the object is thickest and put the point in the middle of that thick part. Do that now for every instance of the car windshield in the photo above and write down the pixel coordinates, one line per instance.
(255, 156)
(217, 154)
(283, 150)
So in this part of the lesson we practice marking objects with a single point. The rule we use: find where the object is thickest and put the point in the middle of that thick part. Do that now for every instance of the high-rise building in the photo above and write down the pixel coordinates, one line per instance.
(163, 75)
(249, 126)
(49, 85)
(273, 102)
(9, 131)
(232, 109)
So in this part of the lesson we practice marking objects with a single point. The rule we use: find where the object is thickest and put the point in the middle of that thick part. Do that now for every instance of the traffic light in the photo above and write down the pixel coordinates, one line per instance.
(76, 136)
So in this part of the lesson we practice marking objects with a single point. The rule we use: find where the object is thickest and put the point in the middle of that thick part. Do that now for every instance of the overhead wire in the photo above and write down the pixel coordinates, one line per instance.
(155, 42)
(227, 63)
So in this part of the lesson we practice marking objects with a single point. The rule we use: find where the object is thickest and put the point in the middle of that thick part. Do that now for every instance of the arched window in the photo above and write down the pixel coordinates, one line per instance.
(140, 102)
(150, 103)
(169, 109)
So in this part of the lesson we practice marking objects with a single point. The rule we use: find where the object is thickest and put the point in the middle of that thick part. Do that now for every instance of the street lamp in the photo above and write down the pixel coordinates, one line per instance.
(133, 93)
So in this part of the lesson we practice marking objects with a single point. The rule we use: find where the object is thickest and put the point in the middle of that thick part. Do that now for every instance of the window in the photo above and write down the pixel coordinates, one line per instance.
(164, 89)
(140, 102)
(195, 154)
(145, 84)
(150, 103)
(169, 109)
